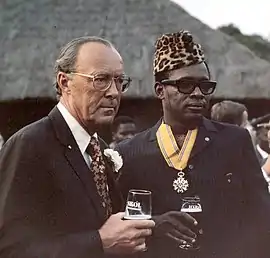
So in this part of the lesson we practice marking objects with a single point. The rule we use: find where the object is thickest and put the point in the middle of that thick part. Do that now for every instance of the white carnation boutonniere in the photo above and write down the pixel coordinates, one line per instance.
(115, 159)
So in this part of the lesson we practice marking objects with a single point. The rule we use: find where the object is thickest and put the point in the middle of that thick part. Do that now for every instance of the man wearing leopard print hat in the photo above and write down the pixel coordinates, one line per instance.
(187, 155)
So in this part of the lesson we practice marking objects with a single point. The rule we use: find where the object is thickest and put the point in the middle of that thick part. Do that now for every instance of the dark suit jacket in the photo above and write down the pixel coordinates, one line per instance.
(49, 206)
(223, 170)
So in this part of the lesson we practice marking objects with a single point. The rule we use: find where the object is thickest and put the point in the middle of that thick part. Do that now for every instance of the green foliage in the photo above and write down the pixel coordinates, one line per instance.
(256, 43)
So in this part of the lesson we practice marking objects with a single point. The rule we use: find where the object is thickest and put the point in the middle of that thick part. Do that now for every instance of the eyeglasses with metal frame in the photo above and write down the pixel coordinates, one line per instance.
(103, 82)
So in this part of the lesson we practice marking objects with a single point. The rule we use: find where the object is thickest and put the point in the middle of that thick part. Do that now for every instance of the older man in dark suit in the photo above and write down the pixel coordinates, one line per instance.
(58, 198)
(187, 155)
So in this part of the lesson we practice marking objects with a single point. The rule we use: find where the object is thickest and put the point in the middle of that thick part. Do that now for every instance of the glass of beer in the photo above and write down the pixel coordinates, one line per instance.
(192, 206)
(139, 205)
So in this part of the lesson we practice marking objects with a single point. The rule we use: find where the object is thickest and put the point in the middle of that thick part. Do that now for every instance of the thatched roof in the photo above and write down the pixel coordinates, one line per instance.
(33, 31)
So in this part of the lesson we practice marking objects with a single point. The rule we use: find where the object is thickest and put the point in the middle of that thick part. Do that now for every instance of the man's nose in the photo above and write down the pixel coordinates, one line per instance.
(113, 91)
(197, 92)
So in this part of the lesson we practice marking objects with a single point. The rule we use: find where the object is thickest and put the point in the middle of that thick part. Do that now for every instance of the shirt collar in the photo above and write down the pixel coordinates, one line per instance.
(263, 153)
(81, 136)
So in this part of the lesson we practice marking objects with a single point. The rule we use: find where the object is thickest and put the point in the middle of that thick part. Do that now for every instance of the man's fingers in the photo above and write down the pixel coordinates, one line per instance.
(183, 221)
(188, 218)
(142, 224)
(140, 248)
(143, 233)
(176, 239)
(180, 237)
(187, 232)
(183, 227)
(183, 236)
(119, 215)
(138, 241)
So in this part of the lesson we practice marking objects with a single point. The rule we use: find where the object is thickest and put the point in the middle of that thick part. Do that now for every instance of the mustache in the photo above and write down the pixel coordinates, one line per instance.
(197, 103)
(197, 100)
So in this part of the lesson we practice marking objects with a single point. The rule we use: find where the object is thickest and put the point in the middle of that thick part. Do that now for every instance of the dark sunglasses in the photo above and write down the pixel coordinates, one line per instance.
(187, 86)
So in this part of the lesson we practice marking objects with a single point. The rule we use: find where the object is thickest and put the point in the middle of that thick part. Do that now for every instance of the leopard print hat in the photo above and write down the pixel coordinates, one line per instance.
(176, 50)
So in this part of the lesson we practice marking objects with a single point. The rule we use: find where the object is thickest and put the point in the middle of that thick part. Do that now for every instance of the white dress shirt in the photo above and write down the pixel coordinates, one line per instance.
(267, 179)
(82, 138)
(263, 153)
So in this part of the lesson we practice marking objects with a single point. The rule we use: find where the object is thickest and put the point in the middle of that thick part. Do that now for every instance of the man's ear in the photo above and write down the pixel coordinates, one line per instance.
(62, 80)
(159, 90)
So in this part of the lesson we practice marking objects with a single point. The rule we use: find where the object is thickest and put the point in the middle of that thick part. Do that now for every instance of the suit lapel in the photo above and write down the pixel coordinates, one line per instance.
(76, 160)
(206, 135)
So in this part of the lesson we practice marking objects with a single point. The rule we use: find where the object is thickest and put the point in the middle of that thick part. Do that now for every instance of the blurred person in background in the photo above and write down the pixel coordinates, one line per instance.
(123, 127)
(235, 113)
(262, 146)
(231, 112)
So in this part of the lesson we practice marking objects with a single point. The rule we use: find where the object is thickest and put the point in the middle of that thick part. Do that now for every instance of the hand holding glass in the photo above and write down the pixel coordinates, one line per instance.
(192, 206)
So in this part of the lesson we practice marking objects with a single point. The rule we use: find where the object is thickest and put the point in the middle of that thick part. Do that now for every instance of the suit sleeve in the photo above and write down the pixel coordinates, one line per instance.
(25, 222)
(256, 202)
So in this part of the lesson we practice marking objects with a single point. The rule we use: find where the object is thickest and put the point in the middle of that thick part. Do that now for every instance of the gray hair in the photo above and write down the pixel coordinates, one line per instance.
(67, 58)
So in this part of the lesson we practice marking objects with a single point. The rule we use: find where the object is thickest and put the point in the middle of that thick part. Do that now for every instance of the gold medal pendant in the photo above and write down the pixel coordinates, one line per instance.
(175, 157)
(180, 184)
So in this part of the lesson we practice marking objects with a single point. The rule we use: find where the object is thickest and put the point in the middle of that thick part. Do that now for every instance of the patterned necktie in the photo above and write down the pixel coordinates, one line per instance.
(97, 167)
